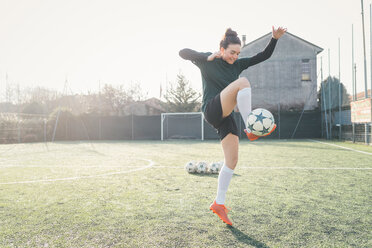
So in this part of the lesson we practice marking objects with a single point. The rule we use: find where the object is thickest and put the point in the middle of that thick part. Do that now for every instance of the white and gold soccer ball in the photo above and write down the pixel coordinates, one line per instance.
(260, 122)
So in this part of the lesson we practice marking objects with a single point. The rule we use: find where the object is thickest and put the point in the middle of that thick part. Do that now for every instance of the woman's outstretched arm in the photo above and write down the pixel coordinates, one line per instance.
(266, 53)
(192, 55)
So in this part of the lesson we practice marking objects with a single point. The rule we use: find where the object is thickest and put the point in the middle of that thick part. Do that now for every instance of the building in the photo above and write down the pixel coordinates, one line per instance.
(152, 106)
(288, 80)
(360, 95)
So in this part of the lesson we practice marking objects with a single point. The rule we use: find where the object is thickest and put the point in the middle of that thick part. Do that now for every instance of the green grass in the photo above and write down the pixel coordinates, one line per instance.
(164, 206)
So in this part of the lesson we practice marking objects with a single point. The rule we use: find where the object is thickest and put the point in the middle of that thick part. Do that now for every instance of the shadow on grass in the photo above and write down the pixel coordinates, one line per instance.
(244, 238)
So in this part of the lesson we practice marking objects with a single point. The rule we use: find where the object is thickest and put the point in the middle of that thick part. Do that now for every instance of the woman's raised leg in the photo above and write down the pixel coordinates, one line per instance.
(229, 95)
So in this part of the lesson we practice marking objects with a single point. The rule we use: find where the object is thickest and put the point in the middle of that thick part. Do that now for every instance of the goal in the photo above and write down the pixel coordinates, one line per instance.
(188, 125)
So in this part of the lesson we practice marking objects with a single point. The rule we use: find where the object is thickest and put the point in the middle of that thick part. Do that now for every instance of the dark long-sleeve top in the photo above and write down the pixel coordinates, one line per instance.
(217, 74)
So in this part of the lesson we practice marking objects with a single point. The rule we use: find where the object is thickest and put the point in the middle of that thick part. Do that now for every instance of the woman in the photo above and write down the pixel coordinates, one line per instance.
(223, 90)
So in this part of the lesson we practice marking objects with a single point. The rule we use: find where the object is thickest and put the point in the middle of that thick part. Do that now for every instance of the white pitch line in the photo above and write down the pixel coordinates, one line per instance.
(306, 168)
(151, 163)
(342, 147)
(281, 168)
(68, 166)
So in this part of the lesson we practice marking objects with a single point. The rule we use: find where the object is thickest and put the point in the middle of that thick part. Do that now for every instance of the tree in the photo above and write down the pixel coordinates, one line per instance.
(331, 90)
(9, 93)
(38, 100)
(181, 97)
(33, 108)
(117, 98)
(39, 95)
(135, 90)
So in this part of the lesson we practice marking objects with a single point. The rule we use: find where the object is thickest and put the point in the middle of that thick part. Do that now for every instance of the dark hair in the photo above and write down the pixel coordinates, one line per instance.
(230, 37)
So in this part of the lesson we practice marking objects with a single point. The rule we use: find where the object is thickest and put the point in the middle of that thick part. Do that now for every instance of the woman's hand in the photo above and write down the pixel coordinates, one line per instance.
(214, 55)
(277, 33)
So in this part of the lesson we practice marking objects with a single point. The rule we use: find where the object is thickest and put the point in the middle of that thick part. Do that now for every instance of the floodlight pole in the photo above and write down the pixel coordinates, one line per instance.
(7, 99)
(352, 62)
(323, 96)
(365, 73)
(353, 76)
(370, 38)
(370, 44)
(100, 112)
(321, 108)
(329, 93)
(161, 126)
(364, 55)
(339, 90)
(18, 115)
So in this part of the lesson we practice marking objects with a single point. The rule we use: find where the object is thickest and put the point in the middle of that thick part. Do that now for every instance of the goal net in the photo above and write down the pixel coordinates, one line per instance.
(189, 125)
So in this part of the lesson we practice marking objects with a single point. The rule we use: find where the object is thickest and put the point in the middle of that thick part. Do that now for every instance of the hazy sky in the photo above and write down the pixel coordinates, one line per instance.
(43, 42)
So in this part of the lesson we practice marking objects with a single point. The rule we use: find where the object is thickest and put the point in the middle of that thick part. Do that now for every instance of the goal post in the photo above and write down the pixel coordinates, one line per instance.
(187, 125)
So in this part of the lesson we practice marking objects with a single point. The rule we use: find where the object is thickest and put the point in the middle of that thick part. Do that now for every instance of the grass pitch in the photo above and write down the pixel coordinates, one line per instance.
(137, 194)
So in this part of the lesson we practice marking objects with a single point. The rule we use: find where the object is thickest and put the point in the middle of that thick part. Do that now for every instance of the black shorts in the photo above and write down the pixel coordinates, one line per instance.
(213, 115)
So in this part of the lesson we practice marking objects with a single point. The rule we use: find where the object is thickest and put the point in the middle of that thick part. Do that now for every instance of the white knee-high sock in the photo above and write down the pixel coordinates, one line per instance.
(223, 183)
(244, 103)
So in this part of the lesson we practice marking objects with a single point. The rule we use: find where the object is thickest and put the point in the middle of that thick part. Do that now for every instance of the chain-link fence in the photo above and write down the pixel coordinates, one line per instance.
(18, 128)
(336, 113)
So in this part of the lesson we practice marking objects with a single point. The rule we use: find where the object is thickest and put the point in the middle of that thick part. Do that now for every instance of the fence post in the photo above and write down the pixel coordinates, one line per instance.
(19, 130)
(279, 120)
(366, 133)
(132, 128)
(99, 128)
(202, 125)
(45, 130)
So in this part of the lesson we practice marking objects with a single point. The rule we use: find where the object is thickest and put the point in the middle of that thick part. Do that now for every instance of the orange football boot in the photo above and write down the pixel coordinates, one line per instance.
(221, 212)
(252, 136)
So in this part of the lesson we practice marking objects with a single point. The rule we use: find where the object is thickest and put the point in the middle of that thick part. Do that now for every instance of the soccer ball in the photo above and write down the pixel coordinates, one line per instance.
(201, 167)
(260, 122)
(190, 167)
(215, 167)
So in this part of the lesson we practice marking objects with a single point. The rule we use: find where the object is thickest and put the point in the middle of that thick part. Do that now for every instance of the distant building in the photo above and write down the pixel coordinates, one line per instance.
(360, 95)
(288, 79)
(152, 106)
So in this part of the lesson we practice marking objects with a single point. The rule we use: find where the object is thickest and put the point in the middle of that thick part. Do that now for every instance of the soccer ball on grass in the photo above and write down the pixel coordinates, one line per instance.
(190, 167)
(215, 167)
(201, 167)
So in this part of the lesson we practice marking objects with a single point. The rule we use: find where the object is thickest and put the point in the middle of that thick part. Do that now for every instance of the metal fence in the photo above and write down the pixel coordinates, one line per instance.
(36, 128)
(343, 129)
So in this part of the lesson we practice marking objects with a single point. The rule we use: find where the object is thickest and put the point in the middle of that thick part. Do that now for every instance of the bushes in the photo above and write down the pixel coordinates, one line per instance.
(15, 129)
(8, 130)
(35, 128)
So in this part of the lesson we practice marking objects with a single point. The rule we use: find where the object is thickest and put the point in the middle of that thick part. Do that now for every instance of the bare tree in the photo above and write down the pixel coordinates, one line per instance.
(9, 93)
(117, 98)
(39, 95)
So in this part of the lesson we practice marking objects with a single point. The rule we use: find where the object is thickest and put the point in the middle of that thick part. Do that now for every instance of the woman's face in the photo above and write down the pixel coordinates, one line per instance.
(231, 53)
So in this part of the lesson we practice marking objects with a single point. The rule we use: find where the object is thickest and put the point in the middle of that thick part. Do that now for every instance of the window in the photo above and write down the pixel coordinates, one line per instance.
(305, 70)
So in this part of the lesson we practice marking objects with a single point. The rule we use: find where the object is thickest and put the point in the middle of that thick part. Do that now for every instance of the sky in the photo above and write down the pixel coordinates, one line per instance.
(90, 43)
